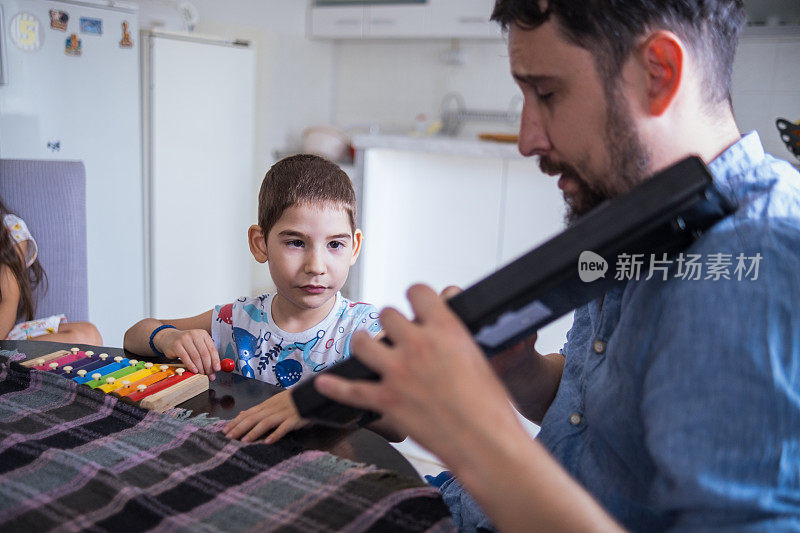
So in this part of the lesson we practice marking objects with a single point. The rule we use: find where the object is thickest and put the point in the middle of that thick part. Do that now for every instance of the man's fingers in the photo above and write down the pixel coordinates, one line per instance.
(424, 302)
(372, 353)
(450, 291)
(361, 394)
(395, 325)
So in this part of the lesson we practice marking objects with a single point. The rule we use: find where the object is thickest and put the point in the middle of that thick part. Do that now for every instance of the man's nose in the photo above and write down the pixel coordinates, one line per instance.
(533, 138)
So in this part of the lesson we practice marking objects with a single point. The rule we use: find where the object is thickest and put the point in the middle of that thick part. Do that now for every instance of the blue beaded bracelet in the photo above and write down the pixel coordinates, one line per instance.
(152, 336)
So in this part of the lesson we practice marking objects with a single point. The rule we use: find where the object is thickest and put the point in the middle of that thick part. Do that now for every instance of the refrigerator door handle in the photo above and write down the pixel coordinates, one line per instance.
(3, 62)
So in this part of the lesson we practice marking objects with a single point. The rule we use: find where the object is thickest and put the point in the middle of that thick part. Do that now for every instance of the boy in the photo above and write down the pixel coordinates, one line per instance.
(306, 234)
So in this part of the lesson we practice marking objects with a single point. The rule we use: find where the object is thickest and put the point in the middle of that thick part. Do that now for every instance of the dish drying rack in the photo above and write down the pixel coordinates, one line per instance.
(454, 113)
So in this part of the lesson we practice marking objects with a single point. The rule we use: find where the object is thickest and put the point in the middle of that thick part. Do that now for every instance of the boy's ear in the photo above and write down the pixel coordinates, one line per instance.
(258, 243)
(662, 57)
(357, 238)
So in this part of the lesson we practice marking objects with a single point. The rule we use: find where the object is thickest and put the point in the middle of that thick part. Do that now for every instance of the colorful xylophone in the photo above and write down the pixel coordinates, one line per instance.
(157, 387)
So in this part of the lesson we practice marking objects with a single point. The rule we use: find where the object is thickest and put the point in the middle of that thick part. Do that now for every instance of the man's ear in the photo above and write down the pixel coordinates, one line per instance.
(358, 237)
(662, 56)
(258, 243)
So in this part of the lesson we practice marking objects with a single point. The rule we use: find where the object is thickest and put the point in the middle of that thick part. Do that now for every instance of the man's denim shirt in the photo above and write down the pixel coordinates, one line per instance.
(679, 406)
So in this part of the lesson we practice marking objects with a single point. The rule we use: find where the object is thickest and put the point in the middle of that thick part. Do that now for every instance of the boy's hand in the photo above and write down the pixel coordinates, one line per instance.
(278, 412)
(193, 347)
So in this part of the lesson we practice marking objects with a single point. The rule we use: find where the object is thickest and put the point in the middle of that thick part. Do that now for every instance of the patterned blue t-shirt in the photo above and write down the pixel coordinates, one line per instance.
(245, 332)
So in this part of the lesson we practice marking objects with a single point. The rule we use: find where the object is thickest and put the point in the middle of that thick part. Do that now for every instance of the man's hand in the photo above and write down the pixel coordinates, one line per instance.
(509, 359)
(435, 381)
(531, 379)
(193, 347)
(278, 412)
(437, 386)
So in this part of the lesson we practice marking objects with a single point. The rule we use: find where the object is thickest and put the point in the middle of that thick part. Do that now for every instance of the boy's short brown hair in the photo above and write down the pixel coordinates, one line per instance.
(303, 179)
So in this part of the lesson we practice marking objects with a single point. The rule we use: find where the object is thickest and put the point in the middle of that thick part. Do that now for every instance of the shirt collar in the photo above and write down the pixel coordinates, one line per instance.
(729, 167)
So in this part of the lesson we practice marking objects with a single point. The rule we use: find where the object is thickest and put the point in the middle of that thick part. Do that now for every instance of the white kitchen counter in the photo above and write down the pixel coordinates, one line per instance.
(439, 145)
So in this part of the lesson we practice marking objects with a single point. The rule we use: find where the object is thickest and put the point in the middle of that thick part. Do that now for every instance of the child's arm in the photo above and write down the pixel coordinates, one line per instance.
(9, 300)
(280, 413)
(190, 341)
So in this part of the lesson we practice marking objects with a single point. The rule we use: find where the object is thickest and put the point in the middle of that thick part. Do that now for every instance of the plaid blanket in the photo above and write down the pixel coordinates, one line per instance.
(76, 459)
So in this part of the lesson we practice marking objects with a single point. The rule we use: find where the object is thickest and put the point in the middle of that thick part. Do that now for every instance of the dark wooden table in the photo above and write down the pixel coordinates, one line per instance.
(230, 394)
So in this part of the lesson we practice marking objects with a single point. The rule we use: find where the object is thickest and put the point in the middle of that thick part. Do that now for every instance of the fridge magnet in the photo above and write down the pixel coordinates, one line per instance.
(26, 32)
(93, 26)
(126, 41)
(58, 20)
(73, 45)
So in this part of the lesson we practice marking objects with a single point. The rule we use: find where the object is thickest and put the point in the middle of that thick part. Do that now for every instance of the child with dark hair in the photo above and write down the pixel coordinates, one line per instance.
(306, 233)
(20, 276)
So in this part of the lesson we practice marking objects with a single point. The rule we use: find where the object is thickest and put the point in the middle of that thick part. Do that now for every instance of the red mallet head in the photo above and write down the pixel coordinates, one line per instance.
(227, 365)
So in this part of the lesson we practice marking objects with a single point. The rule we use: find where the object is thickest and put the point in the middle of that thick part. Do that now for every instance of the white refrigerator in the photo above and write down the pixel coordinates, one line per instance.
(202, 190)
(70, 90)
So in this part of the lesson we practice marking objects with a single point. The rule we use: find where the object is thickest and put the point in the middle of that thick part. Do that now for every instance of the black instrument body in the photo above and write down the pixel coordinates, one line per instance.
(662, 215)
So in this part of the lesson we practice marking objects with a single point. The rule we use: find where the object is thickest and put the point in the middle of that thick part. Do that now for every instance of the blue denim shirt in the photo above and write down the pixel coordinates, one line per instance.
(679, 406)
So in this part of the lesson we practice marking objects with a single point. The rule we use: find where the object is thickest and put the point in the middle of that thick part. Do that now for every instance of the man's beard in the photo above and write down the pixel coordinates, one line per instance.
(629, 160)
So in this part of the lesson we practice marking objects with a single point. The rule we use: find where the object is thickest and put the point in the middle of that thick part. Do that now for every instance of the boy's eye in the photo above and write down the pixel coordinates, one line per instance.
(296, 243)
(335, 244)
(544, 95)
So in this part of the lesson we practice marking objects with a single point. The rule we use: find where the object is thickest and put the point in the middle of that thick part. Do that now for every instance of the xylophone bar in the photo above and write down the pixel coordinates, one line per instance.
(154, 387)
(141, 371)
(170, 381)
(133, 387)
(104, 370)
(30, 363)
(170, 397)
(87, 363)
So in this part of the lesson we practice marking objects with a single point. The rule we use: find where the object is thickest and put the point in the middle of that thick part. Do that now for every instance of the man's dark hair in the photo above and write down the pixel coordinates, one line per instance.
(610, 29)
(303, 179)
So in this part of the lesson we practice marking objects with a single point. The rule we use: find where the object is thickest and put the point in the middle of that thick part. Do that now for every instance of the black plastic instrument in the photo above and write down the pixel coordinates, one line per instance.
(662, 215)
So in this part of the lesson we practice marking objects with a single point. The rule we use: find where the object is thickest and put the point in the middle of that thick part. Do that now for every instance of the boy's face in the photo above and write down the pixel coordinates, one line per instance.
(310, 250)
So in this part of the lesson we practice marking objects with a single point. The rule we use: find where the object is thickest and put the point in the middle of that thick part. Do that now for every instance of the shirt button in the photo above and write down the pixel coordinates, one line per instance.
(575, 419)
(599, 346)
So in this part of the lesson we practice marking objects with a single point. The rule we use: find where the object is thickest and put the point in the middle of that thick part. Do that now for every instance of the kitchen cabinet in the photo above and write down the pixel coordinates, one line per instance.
(334, 22)
(462, 19)
(447, 218)
(431, 19)
(427, 218)
(395, 21)
(533, 208)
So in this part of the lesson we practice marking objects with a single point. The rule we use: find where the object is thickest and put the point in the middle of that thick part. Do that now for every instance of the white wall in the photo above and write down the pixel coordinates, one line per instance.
(393, 81)
(766, 86)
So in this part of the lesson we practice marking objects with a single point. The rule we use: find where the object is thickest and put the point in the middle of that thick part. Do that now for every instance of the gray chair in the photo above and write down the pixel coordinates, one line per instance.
(50, 196)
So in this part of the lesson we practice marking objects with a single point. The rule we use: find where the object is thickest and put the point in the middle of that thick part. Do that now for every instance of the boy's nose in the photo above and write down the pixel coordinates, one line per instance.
(314, 264)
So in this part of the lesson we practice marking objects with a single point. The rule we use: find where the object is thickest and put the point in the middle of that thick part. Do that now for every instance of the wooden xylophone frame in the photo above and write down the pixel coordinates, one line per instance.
(180, 385)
